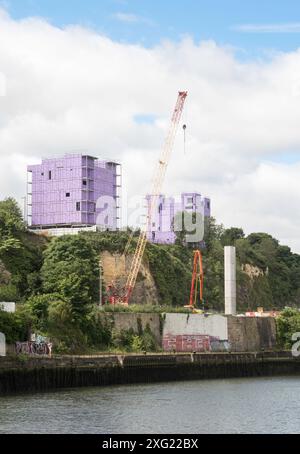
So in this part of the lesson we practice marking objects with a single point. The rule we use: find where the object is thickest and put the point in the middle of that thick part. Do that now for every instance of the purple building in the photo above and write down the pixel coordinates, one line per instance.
(73, 191)
(161, 231)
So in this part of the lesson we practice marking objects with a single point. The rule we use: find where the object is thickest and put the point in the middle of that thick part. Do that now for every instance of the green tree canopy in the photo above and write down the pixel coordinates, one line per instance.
(11, 220)
(71, 269)
(230, 236)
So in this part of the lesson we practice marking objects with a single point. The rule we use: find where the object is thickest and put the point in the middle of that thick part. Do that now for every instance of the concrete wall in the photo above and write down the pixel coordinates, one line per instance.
(198, 333)
(125, 321)
(251, 333)
(8, 307)
(195, 332)
(213, 325)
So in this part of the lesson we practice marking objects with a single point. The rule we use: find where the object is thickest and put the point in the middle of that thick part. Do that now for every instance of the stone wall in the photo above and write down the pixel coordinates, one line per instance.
(251, 333)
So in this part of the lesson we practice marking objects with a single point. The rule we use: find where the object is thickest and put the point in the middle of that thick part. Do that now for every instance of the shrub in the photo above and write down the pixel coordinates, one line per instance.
(9, 293)
(14, 326)
(131, 341)
(287, 324)
(136, 344)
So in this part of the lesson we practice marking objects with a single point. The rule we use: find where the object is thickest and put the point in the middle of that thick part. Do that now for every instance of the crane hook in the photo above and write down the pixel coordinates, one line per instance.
(184, 130)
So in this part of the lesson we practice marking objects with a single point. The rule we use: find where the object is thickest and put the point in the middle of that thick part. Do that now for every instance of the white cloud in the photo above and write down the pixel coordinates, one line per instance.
(290, 27)
(70, 89)
(130, 18)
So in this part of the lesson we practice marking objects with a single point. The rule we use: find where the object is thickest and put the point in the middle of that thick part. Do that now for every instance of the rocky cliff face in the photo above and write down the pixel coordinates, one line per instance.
(115, 270)
(252, 271)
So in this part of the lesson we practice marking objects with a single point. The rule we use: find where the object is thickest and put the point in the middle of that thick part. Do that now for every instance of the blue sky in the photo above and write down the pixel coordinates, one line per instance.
(254, 26)
(243, 137)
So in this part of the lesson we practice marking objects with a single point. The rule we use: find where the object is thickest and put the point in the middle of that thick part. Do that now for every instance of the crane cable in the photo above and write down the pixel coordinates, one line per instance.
(184, 127)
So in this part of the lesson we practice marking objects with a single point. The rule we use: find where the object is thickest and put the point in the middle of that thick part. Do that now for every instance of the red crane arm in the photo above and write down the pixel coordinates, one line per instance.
(158, 180)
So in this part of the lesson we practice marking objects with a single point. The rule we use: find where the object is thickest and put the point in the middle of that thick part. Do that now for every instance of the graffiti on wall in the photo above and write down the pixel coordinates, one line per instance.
(195, 333)
(193, 343)
(34, 348)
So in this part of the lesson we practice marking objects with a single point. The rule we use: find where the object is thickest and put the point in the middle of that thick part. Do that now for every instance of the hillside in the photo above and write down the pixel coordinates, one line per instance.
(268, 274)
(21, 255)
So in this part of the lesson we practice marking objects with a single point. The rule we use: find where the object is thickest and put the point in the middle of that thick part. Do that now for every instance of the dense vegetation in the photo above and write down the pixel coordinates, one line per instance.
(56, 282)
(288, 328)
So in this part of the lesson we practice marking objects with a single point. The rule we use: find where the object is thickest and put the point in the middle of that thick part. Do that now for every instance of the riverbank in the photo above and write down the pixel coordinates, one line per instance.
(34, 374)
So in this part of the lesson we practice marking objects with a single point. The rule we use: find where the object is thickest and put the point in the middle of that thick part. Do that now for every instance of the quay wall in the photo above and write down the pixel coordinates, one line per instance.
(35, 374)
(198, 332)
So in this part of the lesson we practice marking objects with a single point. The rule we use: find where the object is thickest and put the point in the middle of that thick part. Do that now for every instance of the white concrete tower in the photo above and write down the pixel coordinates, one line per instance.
(2, 345)
(230, 280)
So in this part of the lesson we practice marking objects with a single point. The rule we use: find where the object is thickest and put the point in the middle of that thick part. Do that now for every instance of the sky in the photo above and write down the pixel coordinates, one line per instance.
(247, 25)
(103, 76)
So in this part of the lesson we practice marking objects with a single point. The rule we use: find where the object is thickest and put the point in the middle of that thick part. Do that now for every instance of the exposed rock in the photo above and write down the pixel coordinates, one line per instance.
(252, 271)
(115, 270)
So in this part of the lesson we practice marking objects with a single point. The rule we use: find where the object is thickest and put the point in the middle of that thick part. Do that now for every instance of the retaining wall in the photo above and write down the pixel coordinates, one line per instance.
(195, 332)
(251, 333)
(41, 374)
(198, 332)
(128, 320)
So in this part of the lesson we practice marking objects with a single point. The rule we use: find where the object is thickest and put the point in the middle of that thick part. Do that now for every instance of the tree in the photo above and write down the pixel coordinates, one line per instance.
(287, 324)
(71, 269)
(212, 233)
(230, 236)
(11, 220)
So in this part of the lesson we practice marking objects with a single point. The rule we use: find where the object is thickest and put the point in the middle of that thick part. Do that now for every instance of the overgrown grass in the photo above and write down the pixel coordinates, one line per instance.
(142, 309)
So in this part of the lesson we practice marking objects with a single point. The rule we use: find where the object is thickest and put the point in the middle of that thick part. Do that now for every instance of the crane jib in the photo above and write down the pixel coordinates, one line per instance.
(158, 180)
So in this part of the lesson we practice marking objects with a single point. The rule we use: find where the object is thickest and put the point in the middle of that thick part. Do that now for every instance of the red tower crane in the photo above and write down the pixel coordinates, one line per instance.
(158, 180)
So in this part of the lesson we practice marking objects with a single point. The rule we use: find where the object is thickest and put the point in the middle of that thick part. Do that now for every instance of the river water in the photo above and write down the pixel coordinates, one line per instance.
(254, 405)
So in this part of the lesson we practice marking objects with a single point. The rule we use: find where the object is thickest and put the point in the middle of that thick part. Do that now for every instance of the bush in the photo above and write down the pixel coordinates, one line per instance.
(148, 340)
(287, 324)
(136, 344)
(71, 268)
(130, 341)
(98, 329)
(9, 293)
(14, 326)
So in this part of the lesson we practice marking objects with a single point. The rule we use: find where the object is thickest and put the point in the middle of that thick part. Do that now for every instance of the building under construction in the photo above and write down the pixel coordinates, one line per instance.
(68, 194)
(161, 227)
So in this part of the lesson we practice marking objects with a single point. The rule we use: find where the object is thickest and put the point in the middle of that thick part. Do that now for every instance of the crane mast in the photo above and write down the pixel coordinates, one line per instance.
(159, 176)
